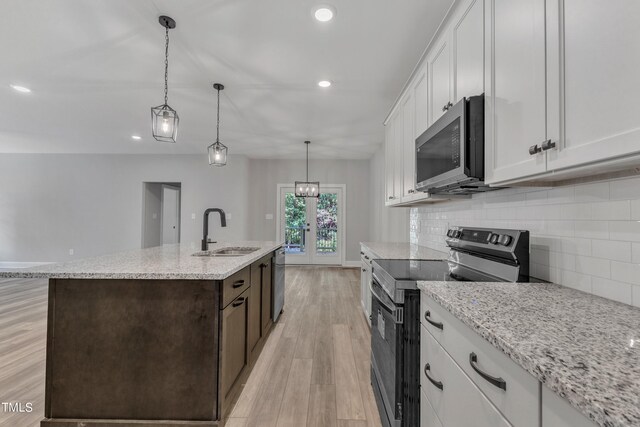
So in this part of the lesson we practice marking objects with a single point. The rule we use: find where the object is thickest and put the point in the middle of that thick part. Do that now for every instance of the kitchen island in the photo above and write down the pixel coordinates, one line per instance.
(154, 337)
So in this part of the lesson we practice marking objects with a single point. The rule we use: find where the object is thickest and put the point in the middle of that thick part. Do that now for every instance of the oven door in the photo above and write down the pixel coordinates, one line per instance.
(440, 150)
(386, 355)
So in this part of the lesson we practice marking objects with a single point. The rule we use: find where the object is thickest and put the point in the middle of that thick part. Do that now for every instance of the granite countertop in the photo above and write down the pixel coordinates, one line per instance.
(166, 262)
(388, 250)
(583, 347)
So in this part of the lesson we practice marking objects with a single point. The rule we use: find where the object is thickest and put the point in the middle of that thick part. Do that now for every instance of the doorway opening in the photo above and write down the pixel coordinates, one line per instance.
(312, 228)
(160, 213)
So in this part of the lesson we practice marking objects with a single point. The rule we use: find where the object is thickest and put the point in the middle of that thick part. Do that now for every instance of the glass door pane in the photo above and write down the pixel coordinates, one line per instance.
(327, 224)
(295, 224)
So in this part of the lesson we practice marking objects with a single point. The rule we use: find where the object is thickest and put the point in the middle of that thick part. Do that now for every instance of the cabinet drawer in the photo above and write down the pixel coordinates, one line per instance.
(519, 401)
(234, 285)
(428, 417)
(460, 402)
(429, 319)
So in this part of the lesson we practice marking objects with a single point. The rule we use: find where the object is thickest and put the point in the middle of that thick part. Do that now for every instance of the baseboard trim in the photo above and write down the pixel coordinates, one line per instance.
(351, 264)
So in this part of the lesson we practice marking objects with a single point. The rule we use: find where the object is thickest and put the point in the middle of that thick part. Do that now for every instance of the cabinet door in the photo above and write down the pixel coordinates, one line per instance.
(420, 95)
(428, 417)
(398, 166)
(234, 341)
(516, 104)
(468, 46)
(255, 305)
(408, 147)
(558, 412)
(266, 296)
(599, 74)
(440, 79)
(389, 145)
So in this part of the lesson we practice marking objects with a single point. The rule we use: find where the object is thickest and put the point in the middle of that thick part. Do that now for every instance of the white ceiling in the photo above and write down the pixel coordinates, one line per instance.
(96, 67)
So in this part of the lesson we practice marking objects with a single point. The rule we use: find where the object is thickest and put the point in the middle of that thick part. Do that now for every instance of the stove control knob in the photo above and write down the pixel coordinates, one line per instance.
(493, 239)
(449, 233)
(504, 240)
(457, 234)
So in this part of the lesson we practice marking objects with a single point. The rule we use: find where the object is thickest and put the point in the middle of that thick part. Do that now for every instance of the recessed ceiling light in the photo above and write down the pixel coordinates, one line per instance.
(324, 83)
(324, 13)
(136, 137)
(20, 88)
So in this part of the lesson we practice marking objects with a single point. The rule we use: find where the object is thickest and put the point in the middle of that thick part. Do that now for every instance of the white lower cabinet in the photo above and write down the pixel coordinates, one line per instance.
(453, 397)
(365, 281)
(428, 417)
(557, 412)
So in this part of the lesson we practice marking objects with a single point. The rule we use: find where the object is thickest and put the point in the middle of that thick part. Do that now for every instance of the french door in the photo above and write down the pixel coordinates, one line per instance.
(312, 228)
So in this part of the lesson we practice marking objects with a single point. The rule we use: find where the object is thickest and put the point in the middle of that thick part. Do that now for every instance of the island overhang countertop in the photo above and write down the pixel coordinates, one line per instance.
(168, 262)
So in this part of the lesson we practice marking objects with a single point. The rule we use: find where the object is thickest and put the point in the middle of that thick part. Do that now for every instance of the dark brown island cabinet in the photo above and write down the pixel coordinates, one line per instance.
(158, 353)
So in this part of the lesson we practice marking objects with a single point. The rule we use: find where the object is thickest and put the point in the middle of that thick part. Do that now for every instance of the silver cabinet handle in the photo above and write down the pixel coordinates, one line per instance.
(547, 145)
(445, 108)
(534, 149)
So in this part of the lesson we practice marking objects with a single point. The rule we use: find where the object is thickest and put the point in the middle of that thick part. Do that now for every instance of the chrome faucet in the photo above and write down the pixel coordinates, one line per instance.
(205, 226)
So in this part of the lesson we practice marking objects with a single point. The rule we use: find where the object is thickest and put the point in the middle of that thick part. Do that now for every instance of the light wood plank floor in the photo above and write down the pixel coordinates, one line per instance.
(313, 370)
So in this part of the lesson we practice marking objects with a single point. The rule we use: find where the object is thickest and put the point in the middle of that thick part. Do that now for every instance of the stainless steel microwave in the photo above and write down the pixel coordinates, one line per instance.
(450, 153)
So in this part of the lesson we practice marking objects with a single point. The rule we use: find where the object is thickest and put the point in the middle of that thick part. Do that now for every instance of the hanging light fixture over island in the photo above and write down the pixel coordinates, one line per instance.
(217, 150)
(164, 119)
(307, 188)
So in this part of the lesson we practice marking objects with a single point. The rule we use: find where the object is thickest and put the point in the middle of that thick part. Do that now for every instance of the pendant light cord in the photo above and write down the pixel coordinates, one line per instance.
(166, 65)
(218, 124)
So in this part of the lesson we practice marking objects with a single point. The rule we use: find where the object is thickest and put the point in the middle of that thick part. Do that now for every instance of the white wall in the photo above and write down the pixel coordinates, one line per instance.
(265, 175)
(50, 203)
(584, 236)
(386, 224)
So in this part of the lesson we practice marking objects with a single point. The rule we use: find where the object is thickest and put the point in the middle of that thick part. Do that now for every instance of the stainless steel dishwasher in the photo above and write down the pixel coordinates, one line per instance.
(278, 284)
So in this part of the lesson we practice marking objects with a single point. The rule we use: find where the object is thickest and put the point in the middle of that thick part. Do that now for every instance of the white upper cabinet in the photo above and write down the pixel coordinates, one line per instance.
(439, 78)
(421, 108)
(468, 47)
(408, 145)
(598, 82)
(389, 160)
(515, 117)
(398, 156)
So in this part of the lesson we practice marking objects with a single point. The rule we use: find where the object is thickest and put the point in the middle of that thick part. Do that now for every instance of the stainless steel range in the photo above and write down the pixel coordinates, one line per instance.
(477, 255)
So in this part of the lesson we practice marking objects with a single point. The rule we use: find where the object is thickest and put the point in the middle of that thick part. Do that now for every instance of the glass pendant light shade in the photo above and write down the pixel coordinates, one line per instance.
(307, 188)
(217, 154)
(164, 119)
(217, 151)
(164, 122)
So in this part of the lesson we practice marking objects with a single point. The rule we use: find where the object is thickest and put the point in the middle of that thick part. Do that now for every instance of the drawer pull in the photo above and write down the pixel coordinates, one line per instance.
(496, 381)
(438, 384)
(238, 302)
(438, 325)
(238, 284)
(364, 269)
(366, 257)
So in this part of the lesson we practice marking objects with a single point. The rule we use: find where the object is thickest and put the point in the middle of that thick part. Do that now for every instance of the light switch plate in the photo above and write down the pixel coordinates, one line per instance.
(268, 216)
(154, 216)
(70, 251)
(193, 216)
(228, 216)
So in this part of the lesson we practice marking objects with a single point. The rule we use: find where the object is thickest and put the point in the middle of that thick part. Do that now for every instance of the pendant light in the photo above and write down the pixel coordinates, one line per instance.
(217, 150)
(306, 188)
(164, 119)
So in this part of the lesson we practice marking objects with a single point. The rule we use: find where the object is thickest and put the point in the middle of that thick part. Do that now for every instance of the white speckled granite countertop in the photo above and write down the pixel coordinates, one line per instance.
(166, 262)
(583, 347)
(387, 250)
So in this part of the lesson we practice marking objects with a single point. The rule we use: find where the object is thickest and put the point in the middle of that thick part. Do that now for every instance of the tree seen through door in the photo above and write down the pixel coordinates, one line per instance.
(326, 223)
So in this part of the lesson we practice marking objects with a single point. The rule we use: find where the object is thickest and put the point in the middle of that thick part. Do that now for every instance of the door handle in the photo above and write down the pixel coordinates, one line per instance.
(547, 145)
(438, 384)
(238, 302)
(496, 381)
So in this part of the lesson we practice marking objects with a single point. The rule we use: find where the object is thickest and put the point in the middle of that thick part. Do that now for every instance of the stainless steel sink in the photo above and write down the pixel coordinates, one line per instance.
(227, 252)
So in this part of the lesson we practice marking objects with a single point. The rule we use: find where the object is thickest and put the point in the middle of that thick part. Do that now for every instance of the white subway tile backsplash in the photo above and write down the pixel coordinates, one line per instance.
(625, 230)
(593, 266)
(592, 229)
(611, 249)
(611, 289)
(585, 236)
(625, 272)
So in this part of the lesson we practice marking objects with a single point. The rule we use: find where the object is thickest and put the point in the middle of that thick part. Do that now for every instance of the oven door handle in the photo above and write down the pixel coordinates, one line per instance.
(396, 312)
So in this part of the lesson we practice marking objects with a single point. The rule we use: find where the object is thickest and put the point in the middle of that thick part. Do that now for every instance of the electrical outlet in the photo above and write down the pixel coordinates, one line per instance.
(154, 216)
(193, 216)
(70, 251)
(268, 216)
(229, 216)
